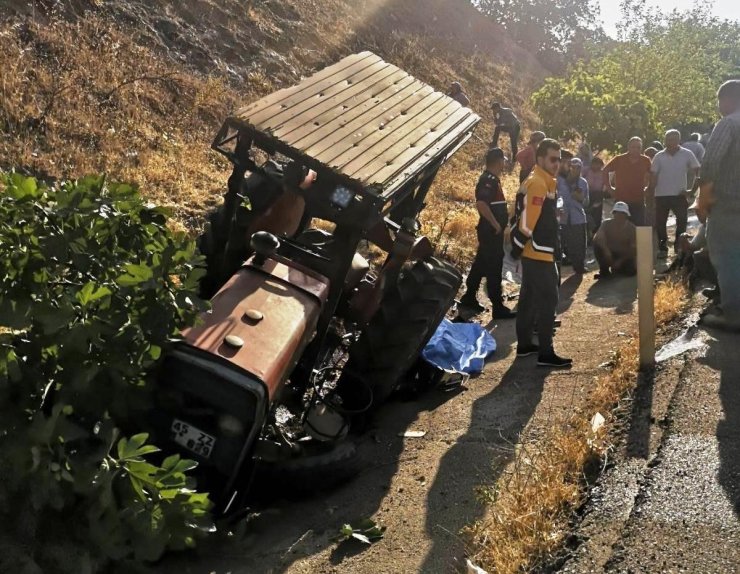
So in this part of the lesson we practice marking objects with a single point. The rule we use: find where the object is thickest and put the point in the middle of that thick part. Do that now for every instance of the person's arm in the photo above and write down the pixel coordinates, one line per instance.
(536, 193)
(652, 177)
(576, 195)
(608, 179)
(631, 251)
(693, 172)
(485, 212)
(600, 238)
(585, 192)
(718, 147)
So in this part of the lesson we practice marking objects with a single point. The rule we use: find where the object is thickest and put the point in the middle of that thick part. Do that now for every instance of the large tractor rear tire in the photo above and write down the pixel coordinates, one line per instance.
(407, 318)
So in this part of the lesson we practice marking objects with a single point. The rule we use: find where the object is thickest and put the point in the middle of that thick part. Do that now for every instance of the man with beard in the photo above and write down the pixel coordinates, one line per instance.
(537, 235)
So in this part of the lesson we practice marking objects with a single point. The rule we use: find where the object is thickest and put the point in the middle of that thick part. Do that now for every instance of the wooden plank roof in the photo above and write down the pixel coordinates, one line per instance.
(364, 118)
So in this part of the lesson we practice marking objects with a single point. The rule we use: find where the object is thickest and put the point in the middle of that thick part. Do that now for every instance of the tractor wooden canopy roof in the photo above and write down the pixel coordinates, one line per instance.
(365, 119)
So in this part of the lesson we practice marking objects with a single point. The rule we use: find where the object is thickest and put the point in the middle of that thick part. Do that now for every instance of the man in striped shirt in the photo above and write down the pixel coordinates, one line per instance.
(719, 201)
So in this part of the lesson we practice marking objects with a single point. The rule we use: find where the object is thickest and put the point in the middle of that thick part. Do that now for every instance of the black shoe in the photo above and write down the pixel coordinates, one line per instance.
(553, 360)
(472, 306)
(603, 275)
(711, 293)
(503, 313)
(526, 350)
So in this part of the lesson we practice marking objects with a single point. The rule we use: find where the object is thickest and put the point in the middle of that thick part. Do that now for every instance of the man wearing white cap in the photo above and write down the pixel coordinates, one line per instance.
(615, 245)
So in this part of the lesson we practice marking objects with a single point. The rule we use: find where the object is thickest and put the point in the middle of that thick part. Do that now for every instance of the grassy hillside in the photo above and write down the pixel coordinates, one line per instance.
(139, 91)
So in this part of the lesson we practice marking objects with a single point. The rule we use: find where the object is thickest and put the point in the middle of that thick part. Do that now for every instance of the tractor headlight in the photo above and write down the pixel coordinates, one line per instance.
(341, 197)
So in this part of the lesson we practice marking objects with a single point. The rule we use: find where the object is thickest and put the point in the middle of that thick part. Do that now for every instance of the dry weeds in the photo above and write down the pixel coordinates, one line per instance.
(531, 506)
(81, 95)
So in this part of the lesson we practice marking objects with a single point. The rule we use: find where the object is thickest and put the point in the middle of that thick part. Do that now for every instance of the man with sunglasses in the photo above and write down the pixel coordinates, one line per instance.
(537, 234)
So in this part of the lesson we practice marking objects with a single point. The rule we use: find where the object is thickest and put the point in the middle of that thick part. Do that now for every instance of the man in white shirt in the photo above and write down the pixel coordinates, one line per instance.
(670, 173)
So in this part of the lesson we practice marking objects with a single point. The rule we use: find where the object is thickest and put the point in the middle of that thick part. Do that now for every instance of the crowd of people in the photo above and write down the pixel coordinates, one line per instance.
(559, 207)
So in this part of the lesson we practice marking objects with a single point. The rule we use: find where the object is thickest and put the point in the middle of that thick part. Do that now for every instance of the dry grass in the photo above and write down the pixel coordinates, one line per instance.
(532, 505)
(82, 97)
(87, 95)
(670, 298)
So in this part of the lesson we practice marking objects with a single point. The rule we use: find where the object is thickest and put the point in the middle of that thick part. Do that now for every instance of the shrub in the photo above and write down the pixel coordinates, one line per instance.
(93, 288)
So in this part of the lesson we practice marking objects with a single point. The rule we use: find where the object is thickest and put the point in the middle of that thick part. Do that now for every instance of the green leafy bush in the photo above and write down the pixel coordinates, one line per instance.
(93, 287)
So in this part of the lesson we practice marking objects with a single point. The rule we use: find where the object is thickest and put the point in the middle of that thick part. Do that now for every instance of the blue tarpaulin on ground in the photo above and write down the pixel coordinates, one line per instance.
(461, 347)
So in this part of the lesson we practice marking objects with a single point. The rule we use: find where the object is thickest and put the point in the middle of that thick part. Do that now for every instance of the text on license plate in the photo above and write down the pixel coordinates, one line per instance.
(192, 438)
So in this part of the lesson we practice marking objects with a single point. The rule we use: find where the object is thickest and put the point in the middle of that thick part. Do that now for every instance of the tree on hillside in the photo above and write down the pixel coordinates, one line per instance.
(678, 58)
(593, 107)
(663, 71)
(556, 31)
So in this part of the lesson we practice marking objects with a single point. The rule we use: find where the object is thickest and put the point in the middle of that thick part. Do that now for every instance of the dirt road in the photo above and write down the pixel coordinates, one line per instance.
(424, 489)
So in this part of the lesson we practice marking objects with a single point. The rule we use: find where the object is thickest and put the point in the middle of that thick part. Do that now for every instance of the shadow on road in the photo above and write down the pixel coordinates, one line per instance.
(618, 293)
(722, 357)
(497, 420)
(568, 290)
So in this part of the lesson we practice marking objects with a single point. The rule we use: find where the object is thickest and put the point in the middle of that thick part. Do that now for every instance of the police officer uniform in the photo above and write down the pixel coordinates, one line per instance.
(489, 259)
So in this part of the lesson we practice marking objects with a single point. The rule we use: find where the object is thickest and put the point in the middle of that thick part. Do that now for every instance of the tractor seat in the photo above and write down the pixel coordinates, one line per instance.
(318, 238)
(357, 271)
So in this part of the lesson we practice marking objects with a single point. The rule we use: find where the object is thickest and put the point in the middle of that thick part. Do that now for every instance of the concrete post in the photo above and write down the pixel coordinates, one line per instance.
(645, 293)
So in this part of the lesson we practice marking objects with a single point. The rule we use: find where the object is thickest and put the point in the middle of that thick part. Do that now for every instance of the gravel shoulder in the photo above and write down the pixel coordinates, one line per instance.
(424, 489)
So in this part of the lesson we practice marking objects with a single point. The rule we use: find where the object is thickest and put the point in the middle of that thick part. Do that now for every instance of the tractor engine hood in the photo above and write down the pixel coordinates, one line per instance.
(262, 319)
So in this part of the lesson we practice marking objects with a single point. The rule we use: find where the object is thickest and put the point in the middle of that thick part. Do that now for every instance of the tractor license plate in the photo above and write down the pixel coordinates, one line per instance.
(192, 438)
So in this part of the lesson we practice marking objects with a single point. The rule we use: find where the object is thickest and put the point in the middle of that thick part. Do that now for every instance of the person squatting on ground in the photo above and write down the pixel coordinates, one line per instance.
(456, 93)
(594, 176)
(489, 259)
(573, 189)
(631, 176)
(719, 202)
(506, 122)
(670, 173)
(536, 235)
(526, 157)
(615, 244)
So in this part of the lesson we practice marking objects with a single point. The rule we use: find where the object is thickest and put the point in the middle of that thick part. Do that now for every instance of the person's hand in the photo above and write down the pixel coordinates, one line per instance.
(705, 201)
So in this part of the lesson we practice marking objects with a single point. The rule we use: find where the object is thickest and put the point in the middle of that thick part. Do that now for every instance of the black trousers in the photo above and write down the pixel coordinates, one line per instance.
(679, 205)
(637, 212)
(513, 135)
(596, 216)
(575, 242)
(488, 263)
(538, 299)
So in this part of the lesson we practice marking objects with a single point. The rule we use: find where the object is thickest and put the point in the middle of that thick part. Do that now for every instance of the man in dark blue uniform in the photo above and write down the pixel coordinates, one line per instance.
(489, 260)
